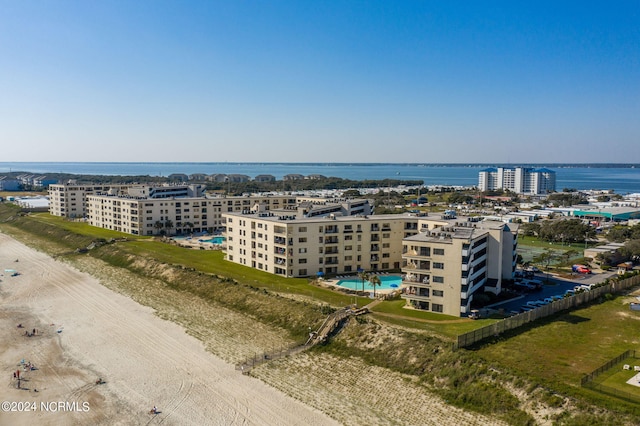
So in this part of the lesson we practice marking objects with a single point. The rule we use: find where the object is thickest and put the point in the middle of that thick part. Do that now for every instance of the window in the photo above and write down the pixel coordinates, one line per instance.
(348, 258)
(438, 293)
(348, 248)
(386, 255)
(302, 239)
(302, 250)
(302, 261)
(438, 279)
(436, 308)
(438, 251)
(302, 272)
(348, 237)
(386, 235)
(438, 265)
(302, 229)
(386, 245)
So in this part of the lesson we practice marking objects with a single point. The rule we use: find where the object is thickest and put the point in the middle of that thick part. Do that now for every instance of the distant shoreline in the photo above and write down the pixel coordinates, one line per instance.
(622, 178)
(342, 164)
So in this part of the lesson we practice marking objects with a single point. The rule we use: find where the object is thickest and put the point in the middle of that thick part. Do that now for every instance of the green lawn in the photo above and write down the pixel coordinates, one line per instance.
(392, 311)
(536, 242)
(617, 377)
(212, 262)
(565, 347)
(82, 228)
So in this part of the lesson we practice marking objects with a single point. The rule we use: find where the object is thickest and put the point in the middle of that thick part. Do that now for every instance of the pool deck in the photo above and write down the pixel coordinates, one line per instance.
(367, 288)
(197, 243)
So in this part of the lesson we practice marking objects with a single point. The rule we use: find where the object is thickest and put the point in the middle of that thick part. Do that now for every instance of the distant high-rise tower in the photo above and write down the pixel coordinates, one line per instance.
(521, 180)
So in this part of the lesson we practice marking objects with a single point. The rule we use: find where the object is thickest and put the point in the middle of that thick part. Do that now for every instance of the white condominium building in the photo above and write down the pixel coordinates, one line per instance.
(527, 181)
(446, 264)
(183, 209)
(297, 246)
(70, 199)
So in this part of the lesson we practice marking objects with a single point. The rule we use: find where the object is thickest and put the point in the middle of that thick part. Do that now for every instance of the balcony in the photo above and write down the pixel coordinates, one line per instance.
(416, 297)
(419, 265)
(415, 278)
(331, 240)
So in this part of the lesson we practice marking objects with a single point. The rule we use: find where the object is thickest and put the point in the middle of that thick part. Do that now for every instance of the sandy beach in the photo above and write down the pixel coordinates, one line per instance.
(86, 331)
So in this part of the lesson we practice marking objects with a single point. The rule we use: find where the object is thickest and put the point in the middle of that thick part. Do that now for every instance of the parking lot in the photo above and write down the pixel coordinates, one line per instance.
(558, 287)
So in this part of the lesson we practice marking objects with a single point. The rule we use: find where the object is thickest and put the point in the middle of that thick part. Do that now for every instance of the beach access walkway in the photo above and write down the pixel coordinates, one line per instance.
(326, 329)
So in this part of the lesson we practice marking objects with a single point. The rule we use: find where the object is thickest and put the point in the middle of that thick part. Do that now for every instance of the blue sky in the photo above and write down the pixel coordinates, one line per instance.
(306, 81)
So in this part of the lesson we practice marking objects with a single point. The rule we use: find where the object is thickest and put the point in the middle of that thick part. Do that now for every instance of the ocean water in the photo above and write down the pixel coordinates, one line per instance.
(623, 180)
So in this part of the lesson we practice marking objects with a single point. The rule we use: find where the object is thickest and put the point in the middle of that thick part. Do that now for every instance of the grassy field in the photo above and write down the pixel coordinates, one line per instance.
(560, 350)
(530, 247)
(536, 242)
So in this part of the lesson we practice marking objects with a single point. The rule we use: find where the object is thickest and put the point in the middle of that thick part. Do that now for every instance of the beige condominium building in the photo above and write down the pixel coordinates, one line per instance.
(446, 264)
(70, 199)
(294, 245)
(184, 209)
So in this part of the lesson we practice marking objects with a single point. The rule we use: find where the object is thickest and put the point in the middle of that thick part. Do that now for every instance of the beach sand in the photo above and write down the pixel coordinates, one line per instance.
(86, 332)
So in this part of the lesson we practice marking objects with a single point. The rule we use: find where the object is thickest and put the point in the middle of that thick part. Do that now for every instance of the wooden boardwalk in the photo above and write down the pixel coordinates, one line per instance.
(328, 327)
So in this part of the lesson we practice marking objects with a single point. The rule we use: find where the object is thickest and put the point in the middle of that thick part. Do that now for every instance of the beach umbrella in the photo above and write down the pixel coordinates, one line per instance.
(320, 273)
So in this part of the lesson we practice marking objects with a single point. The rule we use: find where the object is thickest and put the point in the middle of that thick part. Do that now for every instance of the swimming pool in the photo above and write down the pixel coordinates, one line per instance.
(214, 240)
(388, 282)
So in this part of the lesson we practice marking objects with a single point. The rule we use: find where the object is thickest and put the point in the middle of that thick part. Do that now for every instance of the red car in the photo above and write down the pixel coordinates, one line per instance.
(581, 269)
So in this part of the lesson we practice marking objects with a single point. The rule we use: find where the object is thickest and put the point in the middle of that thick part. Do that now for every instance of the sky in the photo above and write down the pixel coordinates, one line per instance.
(320, 81)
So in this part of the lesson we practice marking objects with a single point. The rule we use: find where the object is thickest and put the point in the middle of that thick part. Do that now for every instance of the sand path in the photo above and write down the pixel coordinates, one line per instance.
(144, 360)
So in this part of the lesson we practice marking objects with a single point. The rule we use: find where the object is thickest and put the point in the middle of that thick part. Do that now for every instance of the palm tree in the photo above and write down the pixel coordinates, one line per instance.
(158, 225)
(168, 224)
(364, 276)
(373, 282)
(189, 227)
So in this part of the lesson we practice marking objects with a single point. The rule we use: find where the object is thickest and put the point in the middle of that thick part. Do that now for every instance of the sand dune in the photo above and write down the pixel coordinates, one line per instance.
(86, 331)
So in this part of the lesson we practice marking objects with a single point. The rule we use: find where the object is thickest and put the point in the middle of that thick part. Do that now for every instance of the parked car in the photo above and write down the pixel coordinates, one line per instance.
(524, 286)
(532, 269)
(581, 269)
